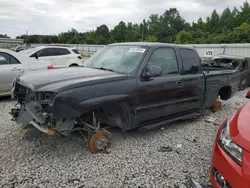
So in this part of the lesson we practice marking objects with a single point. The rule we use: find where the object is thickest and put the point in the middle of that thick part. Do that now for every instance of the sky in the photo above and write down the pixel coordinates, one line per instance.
(55, 16)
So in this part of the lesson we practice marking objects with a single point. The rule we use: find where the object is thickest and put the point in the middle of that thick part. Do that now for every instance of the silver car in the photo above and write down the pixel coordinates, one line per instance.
(12, 65)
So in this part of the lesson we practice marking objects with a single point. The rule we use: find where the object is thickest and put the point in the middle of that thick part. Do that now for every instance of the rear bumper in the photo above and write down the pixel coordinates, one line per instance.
(234, 174)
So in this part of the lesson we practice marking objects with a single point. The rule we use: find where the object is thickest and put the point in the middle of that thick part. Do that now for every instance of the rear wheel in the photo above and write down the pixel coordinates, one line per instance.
(73, 65)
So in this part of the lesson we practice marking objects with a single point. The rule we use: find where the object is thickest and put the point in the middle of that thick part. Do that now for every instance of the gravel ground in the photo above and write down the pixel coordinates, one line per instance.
(134, 160)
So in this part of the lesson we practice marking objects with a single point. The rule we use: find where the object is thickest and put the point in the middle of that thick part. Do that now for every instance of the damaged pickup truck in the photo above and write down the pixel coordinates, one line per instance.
(127, 85)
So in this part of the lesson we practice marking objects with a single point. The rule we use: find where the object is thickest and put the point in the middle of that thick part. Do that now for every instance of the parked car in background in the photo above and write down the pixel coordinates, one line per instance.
(58, 56)
(231, 151)
(127, 85)
(12, 65)
(21, 47)
(221, 61)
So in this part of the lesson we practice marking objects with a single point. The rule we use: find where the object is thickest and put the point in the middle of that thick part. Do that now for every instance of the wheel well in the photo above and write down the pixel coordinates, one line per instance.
(114, 114)
(225, 92)
(73, 65)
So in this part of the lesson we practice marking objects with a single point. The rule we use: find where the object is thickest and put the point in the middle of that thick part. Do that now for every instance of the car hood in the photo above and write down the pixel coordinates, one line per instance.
(66, 78)
(240, 127)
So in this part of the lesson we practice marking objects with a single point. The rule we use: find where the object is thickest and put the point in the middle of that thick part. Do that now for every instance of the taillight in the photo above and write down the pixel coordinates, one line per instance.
(50, 67)
(79, 57)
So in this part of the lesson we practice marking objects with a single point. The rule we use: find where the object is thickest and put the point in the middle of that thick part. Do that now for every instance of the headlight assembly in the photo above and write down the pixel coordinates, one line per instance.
(228, 145)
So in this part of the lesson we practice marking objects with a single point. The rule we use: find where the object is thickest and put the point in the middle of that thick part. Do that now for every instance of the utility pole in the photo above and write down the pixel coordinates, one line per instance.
(26, 38)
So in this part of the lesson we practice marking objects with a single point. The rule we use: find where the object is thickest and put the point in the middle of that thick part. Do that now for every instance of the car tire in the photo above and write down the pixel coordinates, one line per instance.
(73, 65)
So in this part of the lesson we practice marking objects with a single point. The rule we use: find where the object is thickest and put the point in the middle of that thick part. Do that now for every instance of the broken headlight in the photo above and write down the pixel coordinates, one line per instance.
(45, 97)
(228, 145)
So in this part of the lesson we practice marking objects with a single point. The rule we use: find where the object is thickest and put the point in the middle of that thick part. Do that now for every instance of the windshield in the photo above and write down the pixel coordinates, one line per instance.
(121, 59)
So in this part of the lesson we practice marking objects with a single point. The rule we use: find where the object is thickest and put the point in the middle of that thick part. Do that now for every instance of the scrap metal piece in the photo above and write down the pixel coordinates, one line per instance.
(15, 113)
(65, 127)
(42, 128)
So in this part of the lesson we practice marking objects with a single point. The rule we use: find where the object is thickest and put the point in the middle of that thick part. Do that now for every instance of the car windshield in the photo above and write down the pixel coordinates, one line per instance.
(121, 59)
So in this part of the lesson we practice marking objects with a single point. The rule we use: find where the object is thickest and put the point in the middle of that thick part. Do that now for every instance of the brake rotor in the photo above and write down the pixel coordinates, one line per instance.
(100, 141)
(216, 106)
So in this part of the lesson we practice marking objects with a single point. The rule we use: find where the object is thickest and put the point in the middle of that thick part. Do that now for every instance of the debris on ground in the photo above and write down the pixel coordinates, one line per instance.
(165, 149)
(75, 181)
(210, 119)
(217, 122)
(179, 146)
(192, 139)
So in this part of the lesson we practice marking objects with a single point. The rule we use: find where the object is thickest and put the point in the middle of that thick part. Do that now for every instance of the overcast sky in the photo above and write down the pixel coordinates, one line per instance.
(55, 16)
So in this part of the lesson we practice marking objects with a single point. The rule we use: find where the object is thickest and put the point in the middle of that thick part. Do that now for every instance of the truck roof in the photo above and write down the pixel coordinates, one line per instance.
(157, 44)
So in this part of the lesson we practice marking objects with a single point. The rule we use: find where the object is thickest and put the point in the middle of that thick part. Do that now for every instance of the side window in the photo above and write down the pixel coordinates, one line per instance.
(4, 59)
(244, 65)
(44, 52)
(166, 59)
(191, 62)
(75, 51)
(62, 51)
(14, 60)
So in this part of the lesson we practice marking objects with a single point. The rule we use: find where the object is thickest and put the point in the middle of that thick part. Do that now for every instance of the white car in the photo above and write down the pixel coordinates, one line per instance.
(12, 65)
(59, 56)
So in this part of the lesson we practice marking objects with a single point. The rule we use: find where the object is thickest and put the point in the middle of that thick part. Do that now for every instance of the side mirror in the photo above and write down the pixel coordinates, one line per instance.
(248, 94)
(153, 71)
(36, 56)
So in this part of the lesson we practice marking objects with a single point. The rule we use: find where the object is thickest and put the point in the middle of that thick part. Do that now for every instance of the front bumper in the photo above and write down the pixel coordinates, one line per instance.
(235, 176)
(31, 114)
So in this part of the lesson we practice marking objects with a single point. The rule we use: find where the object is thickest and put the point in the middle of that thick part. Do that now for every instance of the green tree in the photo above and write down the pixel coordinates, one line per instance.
(4, 36)
(150, 38)
(102, 34)
(119, 32)
(184, 37)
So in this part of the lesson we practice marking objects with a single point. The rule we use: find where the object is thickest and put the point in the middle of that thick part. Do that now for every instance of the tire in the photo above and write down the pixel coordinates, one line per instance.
(73, 65)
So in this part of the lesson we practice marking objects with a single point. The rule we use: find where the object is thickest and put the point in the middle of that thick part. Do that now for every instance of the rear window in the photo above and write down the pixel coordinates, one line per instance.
(75, 51)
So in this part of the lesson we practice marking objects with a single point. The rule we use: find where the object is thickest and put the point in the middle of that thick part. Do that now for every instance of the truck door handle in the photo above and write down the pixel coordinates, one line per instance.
(15, 69)
(179, 84)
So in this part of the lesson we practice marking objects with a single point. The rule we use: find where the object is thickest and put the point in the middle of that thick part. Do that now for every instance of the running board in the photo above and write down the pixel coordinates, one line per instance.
(164, 122)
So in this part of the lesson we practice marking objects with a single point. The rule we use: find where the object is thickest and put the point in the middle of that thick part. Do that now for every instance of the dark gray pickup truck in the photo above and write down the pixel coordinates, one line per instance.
(127, 85)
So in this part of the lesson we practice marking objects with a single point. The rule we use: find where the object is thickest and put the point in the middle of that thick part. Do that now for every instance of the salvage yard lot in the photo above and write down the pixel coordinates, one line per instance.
(134, 159)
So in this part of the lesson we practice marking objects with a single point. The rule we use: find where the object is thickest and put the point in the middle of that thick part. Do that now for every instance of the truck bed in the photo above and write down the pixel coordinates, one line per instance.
(217, 79)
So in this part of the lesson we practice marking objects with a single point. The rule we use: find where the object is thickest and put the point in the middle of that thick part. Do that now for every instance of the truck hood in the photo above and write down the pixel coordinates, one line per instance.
(240, 127)
(66, 78)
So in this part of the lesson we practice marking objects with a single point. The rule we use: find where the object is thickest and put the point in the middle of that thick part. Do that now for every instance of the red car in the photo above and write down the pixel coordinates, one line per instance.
(231, 151)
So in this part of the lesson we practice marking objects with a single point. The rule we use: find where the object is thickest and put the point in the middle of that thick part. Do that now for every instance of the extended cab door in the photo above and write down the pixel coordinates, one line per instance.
(193, 80)
(160, 96)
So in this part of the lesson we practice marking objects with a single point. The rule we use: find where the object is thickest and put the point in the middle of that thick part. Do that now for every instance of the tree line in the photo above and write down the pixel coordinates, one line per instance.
(231, 26)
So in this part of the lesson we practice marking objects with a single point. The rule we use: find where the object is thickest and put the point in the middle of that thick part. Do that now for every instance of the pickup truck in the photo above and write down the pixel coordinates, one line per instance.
(126, 85)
